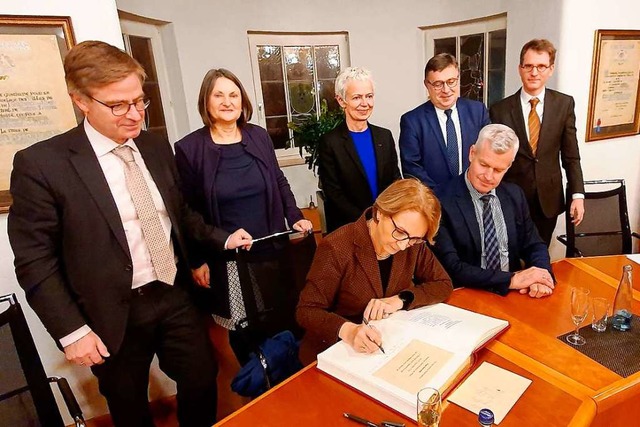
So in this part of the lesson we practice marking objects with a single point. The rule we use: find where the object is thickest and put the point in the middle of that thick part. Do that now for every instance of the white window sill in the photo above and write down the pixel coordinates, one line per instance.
(290, 161)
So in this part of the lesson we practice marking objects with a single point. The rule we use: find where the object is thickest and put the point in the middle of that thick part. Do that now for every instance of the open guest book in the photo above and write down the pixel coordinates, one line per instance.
(426, 347)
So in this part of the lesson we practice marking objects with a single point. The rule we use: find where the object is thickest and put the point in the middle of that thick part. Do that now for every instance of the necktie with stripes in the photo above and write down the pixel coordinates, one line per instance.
(491, 248)
(534, 125)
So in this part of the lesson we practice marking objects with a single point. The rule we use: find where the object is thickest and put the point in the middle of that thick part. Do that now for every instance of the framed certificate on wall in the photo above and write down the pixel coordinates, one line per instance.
(615, 85)
(34, 103)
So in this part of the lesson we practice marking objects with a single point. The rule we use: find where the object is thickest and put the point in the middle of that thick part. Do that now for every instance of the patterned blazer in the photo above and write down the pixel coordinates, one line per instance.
(345, 276)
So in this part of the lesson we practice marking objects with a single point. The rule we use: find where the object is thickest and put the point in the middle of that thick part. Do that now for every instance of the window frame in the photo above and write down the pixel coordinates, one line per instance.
(290, 156)
(152, 32)
(459, 29)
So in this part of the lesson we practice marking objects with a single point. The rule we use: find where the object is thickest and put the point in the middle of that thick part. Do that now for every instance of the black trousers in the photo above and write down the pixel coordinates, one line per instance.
(164, 322)
(544, 224)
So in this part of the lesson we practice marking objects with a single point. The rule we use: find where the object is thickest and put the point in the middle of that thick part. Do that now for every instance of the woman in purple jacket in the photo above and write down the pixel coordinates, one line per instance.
(230, 175)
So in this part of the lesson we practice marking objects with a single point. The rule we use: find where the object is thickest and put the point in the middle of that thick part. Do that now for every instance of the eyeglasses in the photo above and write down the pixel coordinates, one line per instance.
(438, 85)
(539, 68)
(400, 235)
(122, 108)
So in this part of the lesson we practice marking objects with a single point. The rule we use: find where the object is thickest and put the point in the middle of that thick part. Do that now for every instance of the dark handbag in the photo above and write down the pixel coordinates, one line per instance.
(275, 360)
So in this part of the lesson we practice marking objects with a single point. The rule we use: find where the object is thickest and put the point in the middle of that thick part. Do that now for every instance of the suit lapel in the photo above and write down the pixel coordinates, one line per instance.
(520, 125)
(549, 115)
(434, 124)
(380, 153)
(466, 129)
(160, 173)
(350, 149)
(86, 164)
(468, 211)
(506, 205)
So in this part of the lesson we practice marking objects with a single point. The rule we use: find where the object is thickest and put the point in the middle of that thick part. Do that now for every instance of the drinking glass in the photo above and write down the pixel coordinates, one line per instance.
(579, 310)
(429, 407)
(600, 314)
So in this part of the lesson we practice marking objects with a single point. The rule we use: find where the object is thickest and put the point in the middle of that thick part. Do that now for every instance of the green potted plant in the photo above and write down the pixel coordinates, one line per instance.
(308, 131)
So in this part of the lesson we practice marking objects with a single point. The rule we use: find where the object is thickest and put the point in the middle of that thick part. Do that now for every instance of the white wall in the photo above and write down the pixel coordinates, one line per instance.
(384, 37)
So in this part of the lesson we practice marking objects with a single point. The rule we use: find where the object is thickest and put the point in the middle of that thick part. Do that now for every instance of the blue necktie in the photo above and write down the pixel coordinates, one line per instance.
(491, 248)
(452, 145)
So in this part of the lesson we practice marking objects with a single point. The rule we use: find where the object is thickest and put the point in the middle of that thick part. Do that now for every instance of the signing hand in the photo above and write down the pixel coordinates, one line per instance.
(87, 351)
(360, 337)
(380, 308)
(303, 225)
(239, 239)
(576, 210)
(201, 275)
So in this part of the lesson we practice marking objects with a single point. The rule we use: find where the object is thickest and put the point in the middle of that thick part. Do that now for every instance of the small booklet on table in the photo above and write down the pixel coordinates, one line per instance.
(425, 347)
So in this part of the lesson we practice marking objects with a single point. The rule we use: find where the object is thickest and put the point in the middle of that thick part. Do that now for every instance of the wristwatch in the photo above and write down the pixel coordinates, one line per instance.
(407, 298)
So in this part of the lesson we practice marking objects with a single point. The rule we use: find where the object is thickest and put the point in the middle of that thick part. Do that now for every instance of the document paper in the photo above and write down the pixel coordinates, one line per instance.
(414, 366)
(490, 387)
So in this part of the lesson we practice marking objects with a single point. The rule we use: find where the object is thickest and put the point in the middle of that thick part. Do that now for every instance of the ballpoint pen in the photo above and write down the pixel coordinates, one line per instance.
(366, 322)
(360, 420)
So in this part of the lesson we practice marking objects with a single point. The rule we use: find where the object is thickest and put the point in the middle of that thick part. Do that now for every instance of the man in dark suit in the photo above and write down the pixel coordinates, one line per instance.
(357, 160)
(97, 225)
(435, 137)
(546, 119)
(486, 232)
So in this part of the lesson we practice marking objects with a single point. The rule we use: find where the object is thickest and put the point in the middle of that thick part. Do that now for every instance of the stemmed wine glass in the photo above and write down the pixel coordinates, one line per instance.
(579, 310)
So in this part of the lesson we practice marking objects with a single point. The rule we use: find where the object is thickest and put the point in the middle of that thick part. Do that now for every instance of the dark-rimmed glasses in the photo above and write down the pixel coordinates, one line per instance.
(438, 85)
(400, 235)
(122, 108)
(541, 68)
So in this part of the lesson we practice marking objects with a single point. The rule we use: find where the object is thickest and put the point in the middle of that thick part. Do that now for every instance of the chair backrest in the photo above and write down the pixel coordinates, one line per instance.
(605, 228)
(26, 398)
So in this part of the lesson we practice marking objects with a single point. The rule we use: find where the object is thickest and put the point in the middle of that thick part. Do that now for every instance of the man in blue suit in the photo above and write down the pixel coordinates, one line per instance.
(486, 233)
(435, 137)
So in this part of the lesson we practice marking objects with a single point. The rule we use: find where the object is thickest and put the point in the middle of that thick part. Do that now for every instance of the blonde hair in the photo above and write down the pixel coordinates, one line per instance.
(410, 195)
(94, 64)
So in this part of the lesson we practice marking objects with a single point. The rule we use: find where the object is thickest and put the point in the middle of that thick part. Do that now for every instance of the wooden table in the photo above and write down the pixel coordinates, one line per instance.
(610, 266)
(312, 398)
(568, 389)
(535, 324)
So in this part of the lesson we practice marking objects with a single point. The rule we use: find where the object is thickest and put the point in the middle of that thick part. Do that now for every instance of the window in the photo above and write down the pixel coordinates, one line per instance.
(143, 42)
(480, 47)
(293, 74)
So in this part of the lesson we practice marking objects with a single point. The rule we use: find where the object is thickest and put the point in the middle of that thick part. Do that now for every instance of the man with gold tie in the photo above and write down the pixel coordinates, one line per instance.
(98, 229)
(546, 120)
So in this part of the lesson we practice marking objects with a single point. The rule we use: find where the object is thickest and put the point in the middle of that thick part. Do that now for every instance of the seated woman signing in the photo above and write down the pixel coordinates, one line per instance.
(372, 268)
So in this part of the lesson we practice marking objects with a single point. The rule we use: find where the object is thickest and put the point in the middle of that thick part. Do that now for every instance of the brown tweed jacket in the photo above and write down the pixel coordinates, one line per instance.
(345, 276)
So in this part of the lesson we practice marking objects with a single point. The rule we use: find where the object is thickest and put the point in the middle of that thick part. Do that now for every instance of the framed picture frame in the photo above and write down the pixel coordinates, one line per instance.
(34, 103)
(615, 85)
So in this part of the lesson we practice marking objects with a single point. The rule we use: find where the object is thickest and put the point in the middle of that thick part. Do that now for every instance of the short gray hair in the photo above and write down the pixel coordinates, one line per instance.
(500, 137)
(351, 73)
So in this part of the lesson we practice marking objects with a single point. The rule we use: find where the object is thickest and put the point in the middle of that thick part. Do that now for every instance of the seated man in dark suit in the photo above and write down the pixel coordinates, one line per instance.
(435, 137)
(486, 231)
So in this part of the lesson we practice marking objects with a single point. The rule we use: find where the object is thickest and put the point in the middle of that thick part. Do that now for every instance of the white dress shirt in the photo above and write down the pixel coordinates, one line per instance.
(113, 169)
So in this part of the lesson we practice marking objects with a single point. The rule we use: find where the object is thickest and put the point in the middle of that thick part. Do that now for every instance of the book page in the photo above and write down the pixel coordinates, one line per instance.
(414, 366)
(490, 387)
(451, 327)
